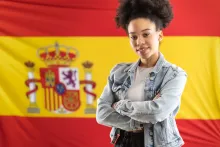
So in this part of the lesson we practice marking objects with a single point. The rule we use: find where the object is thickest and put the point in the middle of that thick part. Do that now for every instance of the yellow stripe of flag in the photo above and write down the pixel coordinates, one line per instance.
(199, 56)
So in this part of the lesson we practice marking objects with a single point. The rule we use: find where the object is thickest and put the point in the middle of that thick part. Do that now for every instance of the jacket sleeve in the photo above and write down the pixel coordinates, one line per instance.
(158, 109)
(107, 116)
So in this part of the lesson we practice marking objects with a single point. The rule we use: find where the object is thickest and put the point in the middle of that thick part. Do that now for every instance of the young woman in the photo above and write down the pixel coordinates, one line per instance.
(141, 99)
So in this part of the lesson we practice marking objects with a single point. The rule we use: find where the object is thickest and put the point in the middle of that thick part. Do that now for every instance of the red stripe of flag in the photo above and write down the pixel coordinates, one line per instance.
(96, 18)
(71, 132)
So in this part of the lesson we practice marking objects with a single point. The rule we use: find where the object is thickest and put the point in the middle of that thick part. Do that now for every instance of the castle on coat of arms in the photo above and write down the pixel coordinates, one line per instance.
(60, 82)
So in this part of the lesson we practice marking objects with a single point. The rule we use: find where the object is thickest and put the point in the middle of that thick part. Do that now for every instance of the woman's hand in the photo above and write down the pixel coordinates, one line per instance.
(157, 96)
(114, 105)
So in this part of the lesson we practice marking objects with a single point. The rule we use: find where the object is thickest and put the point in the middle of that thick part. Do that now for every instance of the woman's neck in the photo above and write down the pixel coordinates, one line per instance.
(150, 62)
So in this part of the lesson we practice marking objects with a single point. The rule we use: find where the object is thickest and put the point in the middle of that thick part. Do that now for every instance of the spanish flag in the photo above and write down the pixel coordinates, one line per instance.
(55, 57)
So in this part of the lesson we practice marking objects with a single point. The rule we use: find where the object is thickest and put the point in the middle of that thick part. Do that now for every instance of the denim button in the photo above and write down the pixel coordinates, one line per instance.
(152, 74)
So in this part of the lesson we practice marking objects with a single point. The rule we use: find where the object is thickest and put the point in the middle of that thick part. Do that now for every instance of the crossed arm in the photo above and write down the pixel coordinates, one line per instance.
(128, 115)
(107, 116)
(158, 109)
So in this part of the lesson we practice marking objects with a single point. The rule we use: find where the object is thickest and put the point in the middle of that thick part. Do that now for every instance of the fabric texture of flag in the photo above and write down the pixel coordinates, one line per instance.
(55, 57)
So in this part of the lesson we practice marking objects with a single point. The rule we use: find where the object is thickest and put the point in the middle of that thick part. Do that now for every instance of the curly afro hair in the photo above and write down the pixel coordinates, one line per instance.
(158, 11)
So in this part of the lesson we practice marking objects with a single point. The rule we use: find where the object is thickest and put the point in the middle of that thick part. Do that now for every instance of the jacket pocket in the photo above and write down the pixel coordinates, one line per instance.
(115, 87)
(159, 133)
(117, 91)
(164, 132)
(170, 131)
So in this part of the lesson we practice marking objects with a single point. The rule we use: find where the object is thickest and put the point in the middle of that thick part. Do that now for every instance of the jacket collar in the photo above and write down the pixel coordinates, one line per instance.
(160, 62)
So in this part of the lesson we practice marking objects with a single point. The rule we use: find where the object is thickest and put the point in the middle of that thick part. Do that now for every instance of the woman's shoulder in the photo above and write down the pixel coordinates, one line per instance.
(174, 69)
(170, 72)
(120, 67)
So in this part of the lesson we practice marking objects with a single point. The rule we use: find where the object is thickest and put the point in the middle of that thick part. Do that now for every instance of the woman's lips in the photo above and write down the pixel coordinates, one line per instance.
(142, 50)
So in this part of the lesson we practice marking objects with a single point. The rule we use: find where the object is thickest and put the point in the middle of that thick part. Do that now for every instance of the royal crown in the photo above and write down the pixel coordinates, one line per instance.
(57, 55)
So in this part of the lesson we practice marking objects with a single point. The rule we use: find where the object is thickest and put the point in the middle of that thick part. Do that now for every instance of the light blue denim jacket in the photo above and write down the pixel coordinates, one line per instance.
(167, 80)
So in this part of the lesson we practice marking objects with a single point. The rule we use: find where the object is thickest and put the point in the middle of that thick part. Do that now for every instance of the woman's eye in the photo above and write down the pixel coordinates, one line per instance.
(133, 37)
(145, 35)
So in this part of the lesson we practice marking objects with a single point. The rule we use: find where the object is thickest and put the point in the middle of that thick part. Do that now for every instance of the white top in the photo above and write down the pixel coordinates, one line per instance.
(136, 91)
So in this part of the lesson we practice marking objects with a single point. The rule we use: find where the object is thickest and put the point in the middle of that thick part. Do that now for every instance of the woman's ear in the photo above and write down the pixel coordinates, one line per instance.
(160, 36)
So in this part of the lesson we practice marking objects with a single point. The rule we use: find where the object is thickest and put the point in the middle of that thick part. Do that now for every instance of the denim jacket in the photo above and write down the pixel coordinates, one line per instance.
(158, 113)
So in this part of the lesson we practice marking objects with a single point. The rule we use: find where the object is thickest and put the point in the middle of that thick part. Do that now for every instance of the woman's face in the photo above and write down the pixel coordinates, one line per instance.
(144, 38)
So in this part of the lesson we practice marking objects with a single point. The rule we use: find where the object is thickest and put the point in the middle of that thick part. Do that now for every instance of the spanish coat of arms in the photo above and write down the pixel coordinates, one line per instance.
(60, 81)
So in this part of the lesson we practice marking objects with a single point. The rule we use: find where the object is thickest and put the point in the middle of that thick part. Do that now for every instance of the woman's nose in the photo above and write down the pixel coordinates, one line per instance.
(140, 41)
